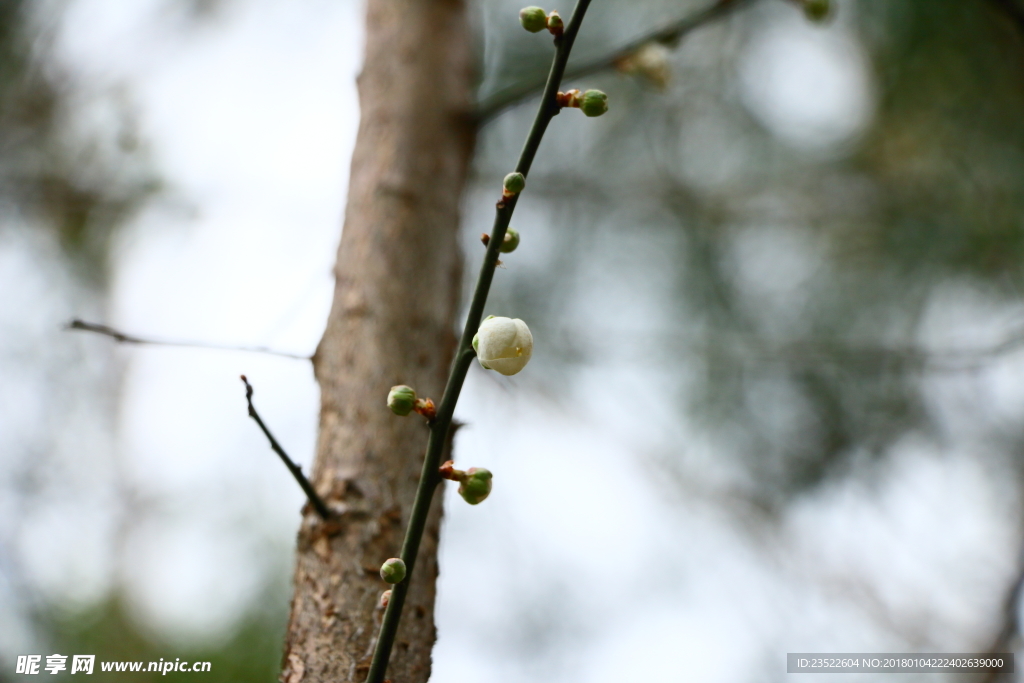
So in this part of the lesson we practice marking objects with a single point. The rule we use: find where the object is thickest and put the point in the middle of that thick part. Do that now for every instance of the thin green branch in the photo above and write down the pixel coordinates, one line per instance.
(124, 338)
(669, 35)
(314, 498)
(430, 477)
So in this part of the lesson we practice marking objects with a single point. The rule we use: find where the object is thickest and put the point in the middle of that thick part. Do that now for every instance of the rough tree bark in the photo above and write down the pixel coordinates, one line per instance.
(392, 320)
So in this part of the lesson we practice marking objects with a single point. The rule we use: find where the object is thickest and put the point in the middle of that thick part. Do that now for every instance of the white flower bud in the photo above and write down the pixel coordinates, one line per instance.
(504, 344)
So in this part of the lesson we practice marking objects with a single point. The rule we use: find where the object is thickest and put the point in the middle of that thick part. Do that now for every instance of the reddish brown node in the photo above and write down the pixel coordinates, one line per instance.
(425, 407)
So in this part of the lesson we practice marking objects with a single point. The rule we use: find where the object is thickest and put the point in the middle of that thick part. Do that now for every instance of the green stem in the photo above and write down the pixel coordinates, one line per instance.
(430, 477)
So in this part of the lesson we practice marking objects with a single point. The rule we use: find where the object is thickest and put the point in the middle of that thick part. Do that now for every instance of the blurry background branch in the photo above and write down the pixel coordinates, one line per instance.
(806, 352)
(125, 338)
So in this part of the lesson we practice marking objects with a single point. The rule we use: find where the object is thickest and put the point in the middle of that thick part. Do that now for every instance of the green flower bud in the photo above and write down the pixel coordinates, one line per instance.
(594, 103)
(504, 345)
(817, 10)
(401, 399)
(533, 19)
(476, 486)
(393, 570)
(511, 241)
(555, 24)
(514, 183)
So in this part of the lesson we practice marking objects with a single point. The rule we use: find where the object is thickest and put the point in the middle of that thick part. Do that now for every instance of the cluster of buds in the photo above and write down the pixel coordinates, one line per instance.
(392, 571)
(474, 483)
(503, 344)
(508, 245)
(648, 62)
(591, 102)
(402, 401)
(535, 20)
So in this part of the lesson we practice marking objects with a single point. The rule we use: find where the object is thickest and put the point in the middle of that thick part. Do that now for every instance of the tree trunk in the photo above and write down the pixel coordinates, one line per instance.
(392, 322)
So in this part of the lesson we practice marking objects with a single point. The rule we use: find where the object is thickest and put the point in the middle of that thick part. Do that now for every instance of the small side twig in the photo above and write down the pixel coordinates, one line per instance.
(314, 498)
(125, 338)
(669, 35)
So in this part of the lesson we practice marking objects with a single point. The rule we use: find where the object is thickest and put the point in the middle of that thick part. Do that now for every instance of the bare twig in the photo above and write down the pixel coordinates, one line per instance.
(314, 498)
(668, 35)
(124, 338)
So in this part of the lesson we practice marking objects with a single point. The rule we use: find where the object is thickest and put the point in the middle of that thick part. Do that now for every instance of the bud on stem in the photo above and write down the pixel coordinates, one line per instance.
(474, 483)
(513, 184)
(533, 19)
(401, 399)
(591, 102)
(503, 344)
(555, 24)
(393, 570)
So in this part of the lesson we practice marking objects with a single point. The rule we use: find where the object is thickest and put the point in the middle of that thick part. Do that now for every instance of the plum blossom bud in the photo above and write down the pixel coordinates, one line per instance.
(511, 241)
(401, 399)
(594, 103)
(591, 102)
(514, 184)
(555, 24)
(817, 10)
(476, 485)
(393, 570)
(533, 19)
(385, 598)
(503, 344)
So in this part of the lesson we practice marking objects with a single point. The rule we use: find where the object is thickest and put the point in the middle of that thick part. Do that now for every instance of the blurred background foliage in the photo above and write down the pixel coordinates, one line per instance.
(807, 242)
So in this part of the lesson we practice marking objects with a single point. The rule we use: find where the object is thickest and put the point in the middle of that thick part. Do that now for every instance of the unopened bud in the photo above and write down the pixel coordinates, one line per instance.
(593, 103)
(385, 598)
(476, 485)
(555, 24)
(511, 241)
(503, 344)
(401, 399)
(514, 184)
(817, 10)
(393, 570)
(533, 19)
